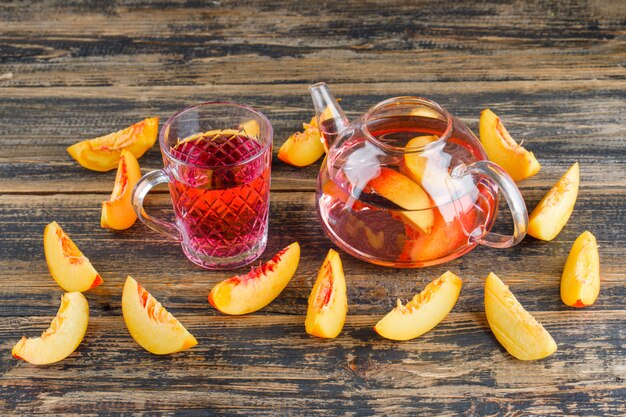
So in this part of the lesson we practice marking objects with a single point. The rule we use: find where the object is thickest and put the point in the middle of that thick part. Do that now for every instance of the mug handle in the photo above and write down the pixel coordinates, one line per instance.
(513, 198)
(143, 186)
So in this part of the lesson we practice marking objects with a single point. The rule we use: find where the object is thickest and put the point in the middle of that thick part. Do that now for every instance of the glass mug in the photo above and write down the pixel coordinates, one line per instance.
(217, 159)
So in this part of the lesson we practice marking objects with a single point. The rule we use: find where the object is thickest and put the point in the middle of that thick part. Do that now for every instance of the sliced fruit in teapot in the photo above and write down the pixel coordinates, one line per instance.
(150, 324)
(402, 191)
(554, 210)
(503, 150)
(328, 302)
(103, 153)
(303, 148)
(520, 334)
(243, 294)
(118, 213)
(580, 282)
(62, 337)
(66, 263)
(426, 310)
(416, 163)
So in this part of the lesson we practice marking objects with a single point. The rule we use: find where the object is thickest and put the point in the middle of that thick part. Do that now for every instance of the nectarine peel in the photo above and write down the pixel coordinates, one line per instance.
(243, 294)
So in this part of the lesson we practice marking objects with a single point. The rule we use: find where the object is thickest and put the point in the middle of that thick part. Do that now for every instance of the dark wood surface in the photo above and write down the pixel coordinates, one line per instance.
(554, 71)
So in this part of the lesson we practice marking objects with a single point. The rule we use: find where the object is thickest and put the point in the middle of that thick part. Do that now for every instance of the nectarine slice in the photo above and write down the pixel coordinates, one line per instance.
(503, 150)
(426, 310)
(103, 153)
(328, 302)
(150, 324)
(399, 189)
(303, 148)
(118, 213)
(554, 210)
(251, 128)
(62, 337)
(243, 294)
(520, 334)
(415, 163)
(580, 282)
(67, 264)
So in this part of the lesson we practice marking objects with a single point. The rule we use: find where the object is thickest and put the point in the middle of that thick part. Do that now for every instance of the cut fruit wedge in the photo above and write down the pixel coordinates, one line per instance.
(580, 283)
(400, 190)
(243, 294)
(328, 302)
(118, 213)
(62, 337)
(67, 264)
(416, 162)
(503, 150)
(520, 334)
(554, 210)
(150, 324)
(103, 153)
(251, 129)
(426, 310)
(303, 148)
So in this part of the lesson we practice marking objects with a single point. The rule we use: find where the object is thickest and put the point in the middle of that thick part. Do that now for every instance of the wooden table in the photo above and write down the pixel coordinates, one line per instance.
(555, 73)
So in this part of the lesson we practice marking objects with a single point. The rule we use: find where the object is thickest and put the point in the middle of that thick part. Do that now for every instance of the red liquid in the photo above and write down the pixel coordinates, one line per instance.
(367, 225)
(221, 209)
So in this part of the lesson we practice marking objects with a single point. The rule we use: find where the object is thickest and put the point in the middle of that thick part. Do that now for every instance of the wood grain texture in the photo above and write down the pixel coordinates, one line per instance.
(554, 71)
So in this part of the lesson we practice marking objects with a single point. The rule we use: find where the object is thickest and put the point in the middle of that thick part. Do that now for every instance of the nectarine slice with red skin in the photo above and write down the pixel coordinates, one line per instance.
(328, 302)
(503, 150)
(103, 153)
(118, 213)
(425, 311)
(150, 324)
(580, 282)
(554, 210)
(66, 263)
(515, 328)
(243, 294)
(62, 337)
(400, 190)
(303, 148)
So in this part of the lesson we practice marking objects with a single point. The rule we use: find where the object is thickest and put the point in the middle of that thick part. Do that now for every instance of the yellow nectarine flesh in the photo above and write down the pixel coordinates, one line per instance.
(328, 302)
(520, 334)
(118, 213)
(416, 162)
(303, 148)
(66, 263)
(243, 294)
(251, 128)
(150, 324)
(580, 282)
(426, 310)
(103, 153)
(400, 190)
(503, 150)
(554, 210)
(62, 337)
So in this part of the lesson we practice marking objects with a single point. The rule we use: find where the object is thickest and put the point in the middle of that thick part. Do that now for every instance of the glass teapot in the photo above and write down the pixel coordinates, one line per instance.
(408, 185)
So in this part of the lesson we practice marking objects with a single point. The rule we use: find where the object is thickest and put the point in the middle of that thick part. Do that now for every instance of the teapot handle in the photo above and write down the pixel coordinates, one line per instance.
(512, 196)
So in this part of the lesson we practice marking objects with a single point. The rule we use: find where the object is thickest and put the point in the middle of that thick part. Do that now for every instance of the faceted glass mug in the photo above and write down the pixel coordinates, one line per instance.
(217, 159)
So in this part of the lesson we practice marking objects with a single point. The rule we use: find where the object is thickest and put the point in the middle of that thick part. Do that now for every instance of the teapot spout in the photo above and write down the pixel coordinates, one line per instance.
(330, 117)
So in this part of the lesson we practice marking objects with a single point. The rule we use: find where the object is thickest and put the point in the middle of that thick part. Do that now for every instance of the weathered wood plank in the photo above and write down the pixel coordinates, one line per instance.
(198, 44)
